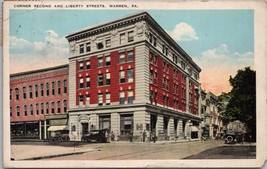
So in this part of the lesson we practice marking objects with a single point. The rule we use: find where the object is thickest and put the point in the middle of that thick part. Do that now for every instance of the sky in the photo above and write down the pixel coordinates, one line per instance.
(219, 41)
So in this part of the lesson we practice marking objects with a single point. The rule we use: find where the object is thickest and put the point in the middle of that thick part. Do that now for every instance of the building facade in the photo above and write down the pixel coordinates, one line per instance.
(212, 124)
(38, 100)
(129, 75)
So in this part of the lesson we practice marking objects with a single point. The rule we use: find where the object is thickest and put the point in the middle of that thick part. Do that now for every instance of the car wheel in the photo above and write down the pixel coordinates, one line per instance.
(229, 139)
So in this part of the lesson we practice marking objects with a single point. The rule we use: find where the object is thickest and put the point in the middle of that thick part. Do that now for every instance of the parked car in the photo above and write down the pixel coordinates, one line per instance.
(232, 137)
(99, 136)
(59, 135)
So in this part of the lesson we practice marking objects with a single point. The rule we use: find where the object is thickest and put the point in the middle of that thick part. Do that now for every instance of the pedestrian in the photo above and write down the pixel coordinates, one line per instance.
(154, 136)
(148, 136)
(131, 136)
(112, 136)
(144, 136)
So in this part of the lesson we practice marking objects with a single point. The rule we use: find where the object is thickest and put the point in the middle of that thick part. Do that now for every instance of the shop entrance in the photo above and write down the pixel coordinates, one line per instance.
(153, 122)
(84, 128)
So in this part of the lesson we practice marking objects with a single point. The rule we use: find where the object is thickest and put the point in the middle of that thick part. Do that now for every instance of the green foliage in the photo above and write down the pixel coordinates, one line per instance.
(242, 102)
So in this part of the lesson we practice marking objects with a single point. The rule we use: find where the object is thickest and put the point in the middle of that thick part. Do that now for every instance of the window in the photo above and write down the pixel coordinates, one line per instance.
(122, 57)
(174, 58)
(25, 110)
(87, 63)
(88, 47)
(65, 86)
(87, 99)
(104, 122)
(126, 124)
(36, 109)
(47, 108)
(24, 92)
(107, 60)
(81, 82)
(155, 78)
(42, 90)
(108, 43)
(122, 38)
(107, 98)
(31, 110)
(100, 80)
(155, 97)
(52, 107)
(122, 76)
(130, 96)
(100, 62)
(42, 108)
(151, 96)
(130, 75)
(81, 48)
(58, 106)
(129, 56)
(17, 93)
(183, 65)
(10, 94)
(87, 81)
(10, 111)
(30, 91)
(100, 45)
(152, 39)
(65, 106)
(81, 100)
(53, 88)
(100, 99)
(47, 89)
(121, 97)
(80, 65)
(17, 111)
(130, 36)
(58, 87)
(107, 78)
(36, 90)
(151, 76)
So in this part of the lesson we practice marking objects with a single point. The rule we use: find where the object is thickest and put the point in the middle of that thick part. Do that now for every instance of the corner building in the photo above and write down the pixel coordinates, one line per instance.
(129, 75)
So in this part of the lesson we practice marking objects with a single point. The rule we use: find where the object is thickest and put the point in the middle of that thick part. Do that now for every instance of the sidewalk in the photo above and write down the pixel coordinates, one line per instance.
(36, 152)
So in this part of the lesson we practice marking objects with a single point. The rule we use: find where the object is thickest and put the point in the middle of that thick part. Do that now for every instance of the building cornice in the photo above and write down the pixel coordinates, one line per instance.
(34, 72)
(131, 19)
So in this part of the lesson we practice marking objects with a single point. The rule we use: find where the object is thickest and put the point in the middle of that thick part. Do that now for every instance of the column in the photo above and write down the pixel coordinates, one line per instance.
(45, 129)
(180, 129)
(40, 130)
(115, 124)
(159, 127)
(171, 128)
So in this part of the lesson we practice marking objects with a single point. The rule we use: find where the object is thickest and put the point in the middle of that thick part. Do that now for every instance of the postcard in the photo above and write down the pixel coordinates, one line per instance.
(92, 84)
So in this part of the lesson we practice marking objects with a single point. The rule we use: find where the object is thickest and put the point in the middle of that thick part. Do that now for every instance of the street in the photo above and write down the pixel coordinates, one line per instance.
(211, 149)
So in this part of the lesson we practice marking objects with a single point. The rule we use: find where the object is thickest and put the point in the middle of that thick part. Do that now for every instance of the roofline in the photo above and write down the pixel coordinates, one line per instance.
(38, 70)
(152, 21)
(103, 24)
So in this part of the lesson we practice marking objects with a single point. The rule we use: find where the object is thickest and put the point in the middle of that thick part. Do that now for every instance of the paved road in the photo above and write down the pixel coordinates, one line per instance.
(140, 151)
(227, 152)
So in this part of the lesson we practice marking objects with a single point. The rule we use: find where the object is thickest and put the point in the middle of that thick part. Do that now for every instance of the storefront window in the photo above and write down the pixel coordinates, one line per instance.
(104, 122)
(126, 124)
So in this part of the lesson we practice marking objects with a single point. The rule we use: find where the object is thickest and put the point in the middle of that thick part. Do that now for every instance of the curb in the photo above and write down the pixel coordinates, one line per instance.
(57, 155)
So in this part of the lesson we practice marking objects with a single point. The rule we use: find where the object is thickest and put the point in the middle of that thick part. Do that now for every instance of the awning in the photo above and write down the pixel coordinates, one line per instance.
(194, 128)
(57, 128)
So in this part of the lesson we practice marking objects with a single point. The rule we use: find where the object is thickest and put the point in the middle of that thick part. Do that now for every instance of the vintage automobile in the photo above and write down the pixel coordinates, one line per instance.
(99, 136)
(232, 137)
(58, 134)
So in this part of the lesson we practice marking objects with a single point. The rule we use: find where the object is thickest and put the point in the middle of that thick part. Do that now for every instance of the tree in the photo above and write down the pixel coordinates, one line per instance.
(223, 101)
(242, 102)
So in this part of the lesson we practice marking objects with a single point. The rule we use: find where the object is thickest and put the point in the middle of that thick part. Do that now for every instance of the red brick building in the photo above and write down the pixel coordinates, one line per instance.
(129, 75)
(38, 100)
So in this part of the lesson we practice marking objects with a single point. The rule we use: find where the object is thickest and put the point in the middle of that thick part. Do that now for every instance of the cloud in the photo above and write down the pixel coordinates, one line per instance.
(218, 65)
(183, 32)
(26, 55)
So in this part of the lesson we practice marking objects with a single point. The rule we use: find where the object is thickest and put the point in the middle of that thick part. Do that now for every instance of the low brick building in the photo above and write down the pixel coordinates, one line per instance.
(38, 100)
